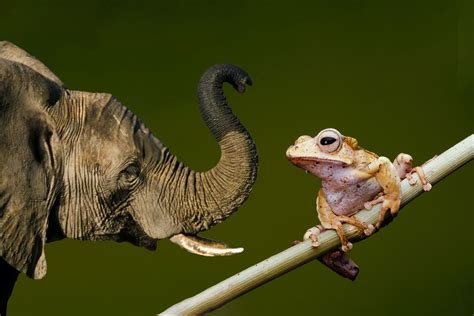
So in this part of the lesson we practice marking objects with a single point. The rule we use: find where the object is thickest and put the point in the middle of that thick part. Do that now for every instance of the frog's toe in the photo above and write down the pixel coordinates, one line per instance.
(427, 187)
(388, 204)
(369, 204)
(411, 179)
(391, 204)
(421, 174)
(383, 222)
(369, 230)
(347, 247)
(378, 225)
(312, 233)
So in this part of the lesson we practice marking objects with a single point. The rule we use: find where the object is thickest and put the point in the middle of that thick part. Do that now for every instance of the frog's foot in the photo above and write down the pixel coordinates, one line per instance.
(404, 167)
(312, 233)
(336, 224)
(421, 174)
(368, 229)
(411, 179)
(346, 246)
(369, 204)
(388, 204)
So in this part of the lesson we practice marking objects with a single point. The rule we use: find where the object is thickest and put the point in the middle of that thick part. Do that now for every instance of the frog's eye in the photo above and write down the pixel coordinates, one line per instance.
(329, 140)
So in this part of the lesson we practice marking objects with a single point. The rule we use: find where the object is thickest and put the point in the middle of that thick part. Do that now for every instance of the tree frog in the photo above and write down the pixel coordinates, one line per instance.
(352, 179)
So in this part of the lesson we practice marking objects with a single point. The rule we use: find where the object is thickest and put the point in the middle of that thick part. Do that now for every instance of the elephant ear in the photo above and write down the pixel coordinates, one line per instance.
(14, 53)
(27, 181)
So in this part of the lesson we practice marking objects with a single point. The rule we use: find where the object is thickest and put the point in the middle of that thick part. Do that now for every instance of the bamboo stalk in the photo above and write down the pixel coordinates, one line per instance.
(293, 257)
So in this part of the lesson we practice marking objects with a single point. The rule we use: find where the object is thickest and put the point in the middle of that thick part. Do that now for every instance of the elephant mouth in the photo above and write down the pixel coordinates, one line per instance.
(204, 247)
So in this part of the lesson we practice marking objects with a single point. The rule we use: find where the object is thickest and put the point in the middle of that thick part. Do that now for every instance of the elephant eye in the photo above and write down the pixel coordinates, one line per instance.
(129, 175)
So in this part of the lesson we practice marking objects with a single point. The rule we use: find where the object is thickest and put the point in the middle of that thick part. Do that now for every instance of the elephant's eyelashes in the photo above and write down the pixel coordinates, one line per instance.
(129, 176)
(127, 181)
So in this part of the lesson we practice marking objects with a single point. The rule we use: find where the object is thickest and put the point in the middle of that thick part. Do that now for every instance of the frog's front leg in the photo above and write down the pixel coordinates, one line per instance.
(329, 220)
(387, 177)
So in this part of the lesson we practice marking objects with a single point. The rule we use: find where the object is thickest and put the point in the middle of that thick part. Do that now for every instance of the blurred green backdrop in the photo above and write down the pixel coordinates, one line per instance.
(396, 75)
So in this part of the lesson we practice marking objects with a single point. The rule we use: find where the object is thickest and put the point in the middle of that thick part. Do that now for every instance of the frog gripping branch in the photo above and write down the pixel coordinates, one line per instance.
(269, 269)
(353, 179)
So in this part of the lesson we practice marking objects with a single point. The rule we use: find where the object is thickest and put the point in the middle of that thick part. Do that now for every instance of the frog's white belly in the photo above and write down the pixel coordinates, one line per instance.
(351, 199)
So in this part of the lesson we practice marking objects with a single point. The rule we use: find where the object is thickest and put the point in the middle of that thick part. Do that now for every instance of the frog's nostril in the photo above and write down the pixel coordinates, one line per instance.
(302, 139)
(288, 151)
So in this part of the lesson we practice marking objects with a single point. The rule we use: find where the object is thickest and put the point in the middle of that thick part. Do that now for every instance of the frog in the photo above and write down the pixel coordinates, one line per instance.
(352, 179)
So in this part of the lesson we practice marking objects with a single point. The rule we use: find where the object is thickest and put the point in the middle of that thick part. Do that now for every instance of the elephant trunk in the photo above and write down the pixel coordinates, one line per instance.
(207, 198)
(226, 186)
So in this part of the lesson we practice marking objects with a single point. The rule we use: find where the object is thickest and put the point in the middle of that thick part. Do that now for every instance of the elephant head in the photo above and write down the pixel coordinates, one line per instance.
(80, 165)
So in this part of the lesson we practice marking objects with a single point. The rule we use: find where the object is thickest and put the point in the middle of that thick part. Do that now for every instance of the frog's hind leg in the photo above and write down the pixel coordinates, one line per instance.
(337, 260)
(329, 220)
(368, 229)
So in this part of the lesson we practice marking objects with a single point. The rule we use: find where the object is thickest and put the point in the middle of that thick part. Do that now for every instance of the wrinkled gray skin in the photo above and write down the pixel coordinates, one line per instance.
(80, 165)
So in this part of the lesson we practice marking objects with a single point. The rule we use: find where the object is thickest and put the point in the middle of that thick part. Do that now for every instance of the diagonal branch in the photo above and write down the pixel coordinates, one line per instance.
(291, 258)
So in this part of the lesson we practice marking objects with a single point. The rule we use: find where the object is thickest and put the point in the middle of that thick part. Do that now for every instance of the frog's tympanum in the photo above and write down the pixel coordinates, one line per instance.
(352, 179)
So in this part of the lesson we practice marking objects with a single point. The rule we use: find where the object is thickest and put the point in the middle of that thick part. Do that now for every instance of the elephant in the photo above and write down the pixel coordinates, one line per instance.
(81, 165)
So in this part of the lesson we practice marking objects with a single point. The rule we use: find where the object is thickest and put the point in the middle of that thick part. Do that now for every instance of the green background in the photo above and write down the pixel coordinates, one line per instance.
(397, 75)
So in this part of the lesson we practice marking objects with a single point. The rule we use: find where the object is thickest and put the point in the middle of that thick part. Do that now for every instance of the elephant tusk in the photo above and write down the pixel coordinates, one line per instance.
(204, 247)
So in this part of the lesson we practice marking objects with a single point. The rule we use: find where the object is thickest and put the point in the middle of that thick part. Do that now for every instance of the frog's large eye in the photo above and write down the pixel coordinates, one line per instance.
(329, 140)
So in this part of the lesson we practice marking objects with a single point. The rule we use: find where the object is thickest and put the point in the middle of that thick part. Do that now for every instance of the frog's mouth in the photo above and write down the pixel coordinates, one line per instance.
(317, 160)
